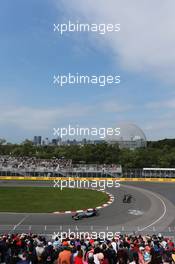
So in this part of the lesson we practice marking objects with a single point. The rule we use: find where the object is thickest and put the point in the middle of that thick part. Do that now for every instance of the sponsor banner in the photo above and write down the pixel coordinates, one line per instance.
(20, 178)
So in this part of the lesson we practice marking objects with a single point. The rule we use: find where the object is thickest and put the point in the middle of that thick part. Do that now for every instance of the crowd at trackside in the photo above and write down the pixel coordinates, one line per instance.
(23, 162)
(123, 249)
(54, 164)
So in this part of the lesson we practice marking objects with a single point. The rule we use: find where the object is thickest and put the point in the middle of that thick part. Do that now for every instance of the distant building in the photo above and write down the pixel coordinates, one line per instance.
(56, 141)
(37, 140)
(130, 137)
(47, 142)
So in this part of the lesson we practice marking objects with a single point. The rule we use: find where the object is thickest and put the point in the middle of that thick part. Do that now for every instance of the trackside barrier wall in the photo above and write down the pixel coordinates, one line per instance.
(22, 178)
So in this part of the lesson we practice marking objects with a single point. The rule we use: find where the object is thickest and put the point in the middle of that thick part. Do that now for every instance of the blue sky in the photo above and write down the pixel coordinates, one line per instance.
(31, 53)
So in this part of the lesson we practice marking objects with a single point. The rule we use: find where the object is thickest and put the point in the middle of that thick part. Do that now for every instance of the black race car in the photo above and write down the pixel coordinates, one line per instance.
(127, 198)
(85, 214)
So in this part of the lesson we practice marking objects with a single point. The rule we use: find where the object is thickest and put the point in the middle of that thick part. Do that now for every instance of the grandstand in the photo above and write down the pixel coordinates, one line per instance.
(149, 173)
(31, 166)
(159, 172)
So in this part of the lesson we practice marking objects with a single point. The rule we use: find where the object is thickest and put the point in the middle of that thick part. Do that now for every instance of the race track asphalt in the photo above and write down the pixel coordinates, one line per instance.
(151, 211)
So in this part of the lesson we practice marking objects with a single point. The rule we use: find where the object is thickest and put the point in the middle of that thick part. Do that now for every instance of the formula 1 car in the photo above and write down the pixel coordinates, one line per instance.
(127, 198)
(85, 214)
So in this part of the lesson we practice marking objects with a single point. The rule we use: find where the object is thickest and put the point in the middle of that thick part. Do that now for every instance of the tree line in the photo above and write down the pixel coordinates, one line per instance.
(157, 154)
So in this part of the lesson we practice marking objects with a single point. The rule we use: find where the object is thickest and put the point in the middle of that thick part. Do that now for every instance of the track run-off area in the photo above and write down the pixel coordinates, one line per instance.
(152, 210)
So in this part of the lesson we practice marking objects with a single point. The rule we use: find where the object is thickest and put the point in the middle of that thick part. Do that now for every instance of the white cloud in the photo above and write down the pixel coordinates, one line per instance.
(115, 107)
(35, 119)
(168, 104)
(147, 38)
(160, 126)
(39, 119)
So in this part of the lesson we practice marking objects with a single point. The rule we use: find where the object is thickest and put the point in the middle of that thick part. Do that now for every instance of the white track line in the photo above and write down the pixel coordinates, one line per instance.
(22, 220)
(162, 216)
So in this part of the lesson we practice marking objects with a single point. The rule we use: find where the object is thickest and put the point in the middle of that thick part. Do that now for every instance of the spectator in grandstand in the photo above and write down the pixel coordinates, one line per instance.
(133, 253)
(105, 253)
(172, 256)
(56, 243)
(65, 256)
(39, 252)
(141, 255)
(33, 163)
(111, 253)
(147, 255)
(135, 259)
(99, 258)
(77, 250)
(122, 254)
(79, 257)
(90, 259)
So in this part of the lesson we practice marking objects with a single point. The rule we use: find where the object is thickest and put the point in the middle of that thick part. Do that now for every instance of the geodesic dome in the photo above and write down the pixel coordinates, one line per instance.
(128, 132)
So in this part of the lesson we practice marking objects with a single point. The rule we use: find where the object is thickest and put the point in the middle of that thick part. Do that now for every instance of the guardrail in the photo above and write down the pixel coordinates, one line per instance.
(55, 230)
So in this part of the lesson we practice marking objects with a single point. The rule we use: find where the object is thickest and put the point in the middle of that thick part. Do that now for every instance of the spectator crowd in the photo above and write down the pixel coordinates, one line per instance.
(123, 249)
(22, 163)
(10, 162)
